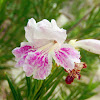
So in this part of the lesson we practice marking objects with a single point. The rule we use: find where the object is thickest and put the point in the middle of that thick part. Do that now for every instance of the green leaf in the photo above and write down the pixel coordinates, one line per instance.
(29, 84)
(16, 92)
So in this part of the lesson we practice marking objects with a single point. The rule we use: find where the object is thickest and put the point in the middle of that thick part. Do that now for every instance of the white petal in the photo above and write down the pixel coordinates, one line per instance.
(30, 30)
(25, 43)
(51, 31)
(91, 45)
(32, 22)
(44, 30)
(37, 43)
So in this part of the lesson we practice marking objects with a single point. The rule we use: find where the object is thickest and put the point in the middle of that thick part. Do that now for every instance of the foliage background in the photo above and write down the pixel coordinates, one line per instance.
(83, 22)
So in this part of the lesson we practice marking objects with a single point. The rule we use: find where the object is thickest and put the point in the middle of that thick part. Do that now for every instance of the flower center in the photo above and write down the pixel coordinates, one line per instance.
(55, 41)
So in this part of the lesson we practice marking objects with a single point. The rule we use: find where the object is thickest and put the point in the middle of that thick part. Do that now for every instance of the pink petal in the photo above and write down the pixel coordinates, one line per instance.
(91, 45)
(19, 51)
(41, 63)
(20, 54)
(66, 56)
(28, 69)
(20, 61)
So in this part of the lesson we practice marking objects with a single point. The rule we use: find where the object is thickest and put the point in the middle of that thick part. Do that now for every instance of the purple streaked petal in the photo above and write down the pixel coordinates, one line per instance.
(71, 52)
(28, 69)
(66, 56)
(19, 51)
(63, 60)
(20, 61)
(41, 64)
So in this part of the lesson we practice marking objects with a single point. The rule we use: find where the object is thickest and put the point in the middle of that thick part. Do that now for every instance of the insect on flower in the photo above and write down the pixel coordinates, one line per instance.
(46, 41)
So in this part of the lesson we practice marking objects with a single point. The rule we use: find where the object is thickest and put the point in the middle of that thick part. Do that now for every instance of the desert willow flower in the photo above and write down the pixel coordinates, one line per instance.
(46, 41)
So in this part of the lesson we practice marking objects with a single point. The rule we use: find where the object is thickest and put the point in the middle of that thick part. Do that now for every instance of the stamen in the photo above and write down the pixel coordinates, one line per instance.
(75, 73)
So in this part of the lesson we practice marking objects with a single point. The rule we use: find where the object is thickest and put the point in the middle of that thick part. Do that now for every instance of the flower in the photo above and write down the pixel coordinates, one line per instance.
(46, 41)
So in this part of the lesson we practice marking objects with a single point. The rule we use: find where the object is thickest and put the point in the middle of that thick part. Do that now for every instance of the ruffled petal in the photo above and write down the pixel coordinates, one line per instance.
(44, 30)
(50, 31)
(30, 30)
(90, 45)
(20, 53)
(66, 56)
(39, 64)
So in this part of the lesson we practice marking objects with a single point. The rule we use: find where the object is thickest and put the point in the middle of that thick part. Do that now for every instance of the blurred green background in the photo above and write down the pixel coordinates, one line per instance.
(81, 19)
